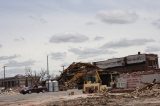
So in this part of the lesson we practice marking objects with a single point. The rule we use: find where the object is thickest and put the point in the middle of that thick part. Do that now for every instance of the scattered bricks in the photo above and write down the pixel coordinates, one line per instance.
(150, 90)
(9, 91)
(94, 100)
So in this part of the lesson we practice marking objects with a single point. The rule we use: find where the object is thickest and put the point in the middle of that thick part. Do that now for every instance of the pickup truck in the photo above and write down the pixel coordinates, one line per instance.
(30, 90)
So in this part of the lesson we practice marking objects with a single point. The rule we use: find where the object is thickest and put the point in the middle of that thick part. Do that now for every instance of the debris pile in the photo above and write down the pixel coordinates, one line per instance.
(90, 101)
(9, 91)
(2, 89)
(113, 99)
(72, 77)
(94, 100)
(150, 90)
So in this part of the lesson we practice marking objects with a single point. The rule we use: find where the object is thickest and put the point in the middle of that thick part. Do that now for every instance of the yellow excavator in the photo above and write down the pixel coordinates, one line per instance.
(93, 83)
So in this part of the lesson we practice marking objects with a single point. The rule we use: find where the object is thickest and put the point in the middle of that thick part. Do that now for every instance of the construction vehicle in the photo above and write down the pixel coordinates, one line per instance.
(93, 83)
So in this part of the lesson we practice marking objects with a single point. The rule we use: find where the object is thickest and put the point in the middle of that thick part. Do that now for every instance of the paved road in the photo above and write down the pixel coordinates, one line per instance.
(34, 99)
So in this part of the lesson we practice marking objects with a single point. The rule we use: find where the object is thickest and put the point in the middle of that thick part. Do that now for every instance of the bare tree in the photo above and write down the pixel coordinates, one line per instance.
(28, 74)
(28, 71)
(34, 77)
(42, 74)
(31, 77)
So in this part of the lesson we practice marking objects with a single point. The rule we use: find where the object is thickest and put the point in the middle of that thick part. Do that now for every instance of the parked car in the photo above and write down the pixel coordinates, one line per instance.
(30, 90)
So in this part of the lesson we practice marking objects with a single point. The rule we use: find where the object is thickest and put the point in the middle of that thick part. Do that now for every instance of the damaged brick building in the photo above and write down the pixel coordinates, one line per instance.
(130, 71)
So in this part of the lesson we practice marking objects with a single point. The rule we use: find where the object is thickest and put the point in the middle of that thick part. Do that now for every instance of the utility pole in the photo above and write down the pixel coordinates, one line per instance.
(47, 68)
(63, 71)
(63, 67)
(4, 67)
(48, 72)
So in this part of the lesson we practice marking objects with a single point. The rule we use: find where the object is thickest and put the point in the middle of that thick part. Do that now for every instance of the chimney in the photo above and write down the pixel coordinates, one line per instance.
(139, 53)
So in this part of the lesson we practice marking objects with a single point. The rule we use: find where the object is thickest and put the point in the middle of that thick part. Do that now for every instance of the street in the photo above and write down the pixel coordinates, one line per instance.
(36, 98)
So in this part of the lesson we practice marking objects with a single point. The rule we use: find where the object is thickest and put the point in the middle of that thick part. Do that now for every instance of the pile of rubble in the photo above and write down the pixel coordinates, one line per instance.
(9, 91)
(114, 99)
(74, 75)
(95, 100)
(150, 90)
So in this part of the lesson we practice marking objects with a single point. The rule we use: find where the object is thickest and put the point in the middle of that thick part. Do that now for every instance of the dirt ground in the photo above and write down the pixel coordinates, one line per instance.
(64, 98)
(112, 100)
(38, 99)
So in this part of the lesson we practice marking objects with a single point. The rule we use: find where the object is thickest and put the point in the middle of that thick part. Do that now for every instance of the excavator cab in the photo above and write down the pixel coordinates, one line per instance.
(90, 79)
(92, 84)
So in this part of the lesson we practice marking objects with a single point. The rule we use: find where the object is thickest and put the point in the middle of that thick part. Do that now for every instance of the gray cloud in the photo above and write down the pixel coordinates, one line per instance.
(90, 52)
(90, 23)
(69, 37)
(38, 18)
(58, 55)
(152, 49)
(42, 20)
(0, 45)
(127, 43)
(19, 39)
(8, 57)
(98, 38)
(117, 17)
(157, 23)
(14, 63)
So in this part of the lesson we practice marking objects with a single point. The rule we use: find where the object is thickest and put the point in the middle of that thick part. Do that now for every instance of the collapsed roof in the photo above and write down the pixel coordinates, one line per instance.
(75, 72)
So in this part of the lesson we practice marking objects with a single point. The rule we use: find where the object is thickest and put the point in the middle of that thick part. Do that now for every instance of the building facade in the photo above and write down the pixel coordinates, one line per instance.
(137, 79)
(130, 71)
(129, 63)
(17, 81)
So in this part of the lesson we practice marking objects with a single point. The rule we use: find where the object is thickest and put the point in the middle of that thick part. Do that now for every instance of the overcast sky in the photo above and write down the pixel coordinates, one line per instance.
(74, 30)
